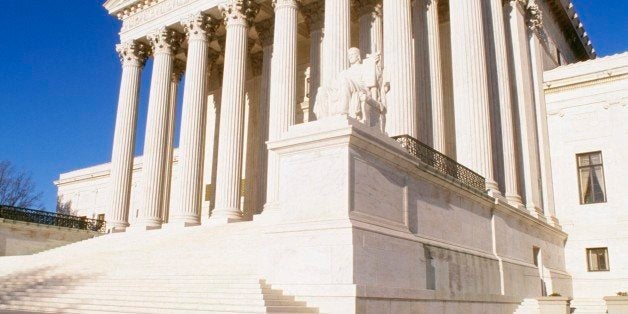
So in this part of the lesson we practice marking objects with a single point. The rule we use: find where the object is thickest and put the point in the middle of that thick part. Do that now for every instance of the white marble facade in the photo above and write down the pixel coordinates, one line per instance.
(464, 77)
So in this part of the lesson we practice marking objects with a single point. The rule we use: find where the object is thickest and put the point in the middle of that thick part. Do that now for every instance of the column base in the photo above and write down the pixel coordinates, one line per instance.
(535, 212)
(182, 221)
(515, 201)
(269, 214)
(117, 226)
(145, 225)
(553, 221)
(225, 216)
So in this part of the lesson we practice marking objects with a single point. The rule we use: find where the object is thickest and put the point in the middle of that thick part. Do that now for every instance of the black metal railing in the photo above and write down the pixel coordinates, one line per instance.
(441, 163)
(51, 219)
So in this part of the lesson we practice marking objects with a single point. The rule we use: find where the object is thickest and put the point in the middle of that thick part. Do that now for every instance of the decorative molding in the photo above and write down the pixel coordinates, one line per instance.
(148, 10)
(133, 53)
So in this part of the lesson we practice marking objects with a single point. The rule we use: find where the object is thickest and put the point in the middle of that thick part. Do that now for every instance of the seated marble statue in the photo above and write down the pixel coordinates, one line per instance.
(358, 92)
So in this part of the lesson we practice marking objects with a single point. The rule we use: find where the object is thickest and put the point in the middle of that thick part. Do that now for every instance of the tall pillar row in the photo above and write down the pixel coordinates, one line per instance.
(506, 112)
(524, 98)
(471, 90)
(337, 40)
(398, 58)
(165, 43)
(314, 14)
(283, 90)
(371, 35)
(237, 17)
(200, 29)
(265, 30)
(133, 56)
(427, 47)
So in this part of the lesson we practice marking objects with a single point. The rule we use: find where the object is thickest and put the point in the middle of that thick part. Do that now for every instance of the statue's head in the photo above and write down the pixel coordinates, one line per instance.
(354, 55)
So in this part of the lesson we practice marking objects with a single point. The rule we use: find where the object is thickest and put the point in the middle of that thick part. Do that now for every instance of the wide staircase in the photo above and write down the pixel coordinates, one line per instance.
(588, 306)
(528, 306)
(199, 269)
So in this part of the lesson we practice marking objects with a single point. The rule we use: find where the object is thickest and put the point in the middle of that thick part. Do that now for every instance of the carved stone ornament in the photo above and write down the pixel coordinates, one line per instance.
(165, 40)
(199, 26)
(314, 14)
(359, 92)
(282, 3)
(239, 12)
(133, 53)
(265, 32)
(534, 16)
(367, 7)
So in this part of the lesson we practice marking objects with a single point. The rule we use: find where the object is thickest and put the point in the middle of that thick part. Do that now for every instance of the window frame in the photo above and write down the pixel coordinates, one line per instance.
(608, 264)
(591, 168)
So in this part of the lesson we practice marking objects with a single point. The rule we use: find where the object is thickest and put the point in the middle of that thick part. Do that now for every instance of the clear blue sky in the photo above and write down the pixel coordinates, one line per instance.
(59, 80)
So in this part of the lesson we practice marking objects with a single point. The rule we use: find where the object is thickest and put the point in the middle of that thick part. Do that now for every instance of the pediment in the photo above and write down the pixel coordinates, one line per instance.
(114, 6)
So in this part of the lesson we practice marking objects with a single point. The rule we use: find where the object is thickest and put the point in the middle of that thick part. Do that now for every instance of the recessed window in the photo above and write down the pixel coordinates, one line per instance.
(597, 259)
(591, 178)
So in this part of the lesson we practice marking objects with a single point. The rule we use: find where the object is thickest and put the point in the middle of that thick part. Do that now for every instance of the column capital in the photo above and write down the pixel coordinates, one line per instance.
(314, 14)
(534, 17)
(366, 7)
(265, 32)
(286, 3)
(199, 26)
(165, 40)
(133, 53)
(239, 12)
(178, 68)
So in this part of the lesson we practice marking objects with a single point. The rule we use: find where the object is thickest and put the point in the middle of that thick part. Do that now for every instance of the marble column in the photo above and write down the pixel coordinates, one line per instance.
(506, 113)
(337, 40)
(427, 47)
(537, 36)
(200, 29)
(177, 73)
(471, 90)
(238, 15)
(314, 14)
(283, 90)
(165, 43)
(401, 118)
(371, 26)
(212, 124)
(265, 34)
(522, 88)
(133, 56)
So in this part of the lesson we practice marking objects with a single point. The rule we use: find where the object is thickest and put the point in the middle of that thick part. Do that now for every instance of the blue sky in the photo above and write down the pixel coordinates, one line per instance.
(59, 80)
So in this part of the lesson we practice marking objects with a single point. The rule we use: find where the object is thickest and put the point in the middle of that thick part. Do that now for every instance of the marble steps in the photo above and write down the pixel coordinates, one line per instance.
(203, 298)
(528, 306)
(588, 306)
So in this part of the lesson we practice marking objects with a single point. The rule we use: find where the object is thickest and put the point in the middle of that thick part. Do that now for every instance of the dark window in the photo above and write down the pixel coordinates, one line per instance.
(591, 178)
(597, 259)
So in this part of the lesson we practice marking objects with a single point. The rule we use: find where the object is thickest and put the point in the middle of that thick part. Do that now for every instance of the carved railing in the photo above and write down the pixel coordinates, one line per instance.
(441, 163)
(51, 219)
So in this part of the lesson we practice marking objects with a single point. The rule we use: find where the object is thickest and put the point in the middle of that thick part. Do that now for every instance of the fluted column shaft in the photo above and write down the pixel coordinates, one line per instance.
(337, 40)
(398, 58)
(524, 96)
(371, 27)
(199, 28)
(230, 142)
(314, 14)
(261, 157)
(283, 91)
(429, 77)
(133, 57)
(511, 184)
(165, 43)
(177, 73)
(471, 92)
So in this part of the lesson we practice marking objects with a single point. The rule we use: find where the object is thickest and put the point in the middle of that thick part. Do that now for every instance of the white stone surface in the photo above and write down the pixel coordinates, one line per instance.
(587, 109)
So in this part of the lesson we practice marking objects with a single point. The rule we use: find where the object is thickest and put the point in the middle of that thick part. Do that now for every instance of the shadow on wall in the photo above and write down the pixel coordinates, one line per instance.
(25, 287)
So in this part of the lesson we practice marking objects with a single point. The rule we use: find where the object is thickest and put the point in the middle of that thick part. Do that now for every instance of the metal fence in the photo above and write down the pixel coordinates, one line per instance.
(441, 163)
(51, 219)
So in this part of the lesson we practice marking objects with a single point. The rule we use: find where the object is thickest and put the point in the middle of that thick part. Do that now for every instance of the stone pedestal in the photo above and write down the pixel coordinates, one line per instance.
(554, 305)
(616, 305)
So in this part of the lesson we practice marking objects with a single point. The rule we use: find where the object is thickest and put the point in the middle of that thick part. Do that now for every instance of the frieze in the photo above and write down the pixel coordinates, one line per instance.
(159, 9)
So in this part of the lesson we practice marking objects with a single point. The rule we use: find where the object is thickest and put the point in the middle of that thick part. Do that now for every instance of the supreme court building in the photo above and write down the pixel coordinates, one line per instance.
(410, 175)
